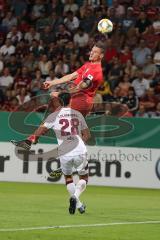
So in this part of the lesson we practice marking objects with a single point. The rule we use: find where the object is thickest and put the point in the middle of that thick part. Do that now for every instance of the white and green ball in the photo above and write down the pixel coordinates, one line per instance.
(105, 26)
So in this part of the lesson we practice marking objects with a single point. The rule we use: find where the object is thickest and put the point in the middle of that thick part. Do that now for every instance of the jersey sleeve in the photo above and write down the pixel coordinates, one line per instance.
(81, 69)
(50, 121)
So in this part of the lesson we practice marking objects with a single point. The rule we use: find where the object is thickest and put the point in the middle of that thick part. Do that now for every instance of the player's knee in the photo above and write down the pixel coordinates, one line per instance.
(84, 177)
(68, 179)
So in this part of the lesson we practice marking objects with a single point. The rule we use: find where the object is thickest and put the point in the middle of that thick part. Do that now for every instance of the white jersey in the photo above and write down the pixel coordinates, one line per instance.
(67, 124)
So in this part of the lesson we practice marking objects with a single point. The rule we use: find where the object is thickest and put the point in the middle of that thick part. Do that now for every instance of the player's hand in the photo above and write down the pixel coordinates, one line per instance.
(33, 139)
(46, 85)
(54, 94)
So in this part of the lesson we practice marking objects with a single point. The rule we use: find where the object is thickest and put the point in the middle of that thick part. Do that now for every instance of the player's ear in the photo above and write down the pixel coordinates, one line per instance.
(102, 55)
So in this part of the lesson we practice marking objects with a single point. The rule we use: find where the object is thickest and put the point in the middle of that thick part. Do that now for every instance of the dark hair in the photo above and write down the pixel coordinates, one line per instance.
(64, 98)
(101, 46)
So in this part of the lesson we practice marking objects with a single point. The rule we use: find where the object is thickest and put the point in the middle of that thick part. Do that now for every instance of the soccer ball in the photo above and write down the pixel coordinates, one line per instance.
(105, 26)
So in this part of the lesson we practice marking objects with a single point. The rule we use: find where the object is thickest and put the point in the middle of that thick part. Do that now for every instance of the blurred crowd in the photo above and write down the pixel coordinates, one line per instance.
(46, 39)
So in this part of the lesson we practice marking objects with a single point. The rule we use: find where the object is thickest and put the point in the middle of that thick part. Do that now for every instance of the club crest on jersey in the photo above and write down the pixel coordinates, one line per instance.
(90, 77)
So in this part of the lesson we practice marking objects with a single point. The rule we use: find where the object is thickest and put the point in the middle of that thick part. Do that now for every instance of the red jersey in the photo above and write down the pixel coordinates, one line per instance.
(93, 72)
(23, 82)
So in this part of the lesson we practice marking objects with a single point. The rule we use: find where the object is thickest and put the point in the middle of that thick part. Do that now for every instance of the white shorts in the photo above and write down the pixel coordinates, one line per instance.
(76, 163)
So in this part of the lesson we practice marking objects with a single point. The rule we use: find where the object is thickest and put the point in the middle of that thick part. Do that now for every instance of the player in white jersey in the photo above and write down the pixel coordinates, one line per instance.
(72, 132)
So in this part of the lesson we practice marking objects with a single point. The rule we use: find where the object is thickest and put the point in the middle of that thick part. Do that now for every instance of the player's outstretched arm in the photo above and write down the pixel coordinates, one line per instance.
(64, 79)
(42, 130)
(33, 139)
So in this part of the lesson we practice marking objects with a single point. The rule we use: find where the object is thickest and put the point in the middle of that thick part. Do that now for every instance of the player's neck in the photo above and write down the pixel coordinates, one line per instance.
(68, 106)
(95, 62)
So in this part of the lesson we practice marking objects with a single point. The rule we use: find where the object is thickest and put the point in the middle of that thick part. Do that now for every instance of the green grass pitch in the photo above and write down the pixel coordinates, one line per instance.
(24, 205)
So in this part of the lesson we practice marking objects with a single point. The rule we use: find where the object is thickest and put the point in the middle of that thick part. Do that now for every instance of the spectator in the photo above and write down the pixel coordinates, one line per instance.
(6, 80)
(156, 24)
(151, 38)
(55, 6)
(71, 21)
(36, 48)
(19, 7)
(30, 62)
(23, 80)
(47, 35)
(112, 15)
(130, 69)
(1, 64)
(105, 91)
(87, 21)
(61, 68)
(36, 83)
(7, 49)
(9, 21)
(70, 5)
(14, 35)
(115, 73)
(140, 84)
(149, 70)
(44, 65)
(11, 105)
(51, 76)
(55, 21)
(131, 100)
(118, 37)
(111, 52)
(23, 96)
(128, 22)
(124, 86)
(22, 49)
(23, 26)
(81, 38)
(131, 39)
(156, 113)
(98, 106)
(142, 112)
(13, 65)
(69, 50)
(37, 10)
(63, 35)
(142, 23)
(156, 57)
(32, 35)
(119, 9)
(125, 55)
(42, 22)
(140, 54)
(149, 100)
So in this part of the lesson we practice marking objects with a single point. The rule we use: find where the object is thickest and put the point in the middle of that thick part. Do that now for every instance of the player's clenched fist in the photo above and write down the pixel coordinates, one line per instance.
(46, 84)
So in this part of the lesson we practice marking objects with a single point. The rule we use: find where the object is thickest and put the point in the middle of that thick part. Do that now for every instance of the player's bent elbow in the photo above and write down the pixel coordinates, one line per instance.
(86, 135)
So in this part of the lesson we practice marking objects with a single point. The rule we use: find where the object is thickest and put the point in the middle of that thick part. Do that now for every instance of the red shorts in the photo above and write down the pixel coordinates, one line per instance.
(82, 103)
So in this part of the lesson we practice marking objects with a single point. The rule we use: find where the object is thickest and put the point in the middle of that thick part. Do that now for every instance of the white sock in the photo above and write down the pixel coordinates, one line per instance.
(79, 204)
(80, 187)
(71, 188)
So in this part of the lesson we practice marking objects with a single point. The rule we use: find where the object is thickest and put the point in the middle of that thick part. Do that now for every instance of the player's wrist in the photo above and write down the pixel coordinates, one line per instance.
(33, 139)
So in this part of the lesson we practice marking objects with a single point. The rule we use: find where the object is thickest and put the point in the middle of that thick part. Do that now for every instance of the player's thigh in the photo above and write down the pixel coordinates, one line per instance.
(81, 164)
(81, 103)
(66, 165)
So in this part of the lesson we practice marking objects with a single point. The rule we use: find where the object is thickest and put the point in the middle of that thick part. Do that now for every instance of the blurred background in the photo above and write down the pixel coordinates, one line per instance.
(42, 40)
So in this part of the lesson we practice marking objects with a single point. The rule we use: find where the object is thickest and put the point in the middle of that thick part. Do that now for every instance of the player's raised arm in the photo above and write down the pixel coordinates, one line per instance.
(64, 79)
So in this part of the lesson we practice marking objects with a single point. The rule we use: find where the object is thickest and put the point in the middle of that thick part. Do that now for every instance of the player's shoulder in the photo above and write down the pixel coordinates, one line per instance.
(76, 113)
(54, 114)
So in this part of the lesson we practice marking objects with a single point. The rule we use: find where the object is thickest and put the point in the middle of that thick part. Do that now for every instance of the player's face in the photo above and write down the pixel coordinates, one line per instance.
(95, 54)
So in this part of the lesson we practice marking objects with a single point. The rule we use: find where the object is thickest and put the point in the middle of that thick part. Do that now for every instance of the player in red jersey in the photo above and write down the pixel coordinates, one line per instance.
(87, 80)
